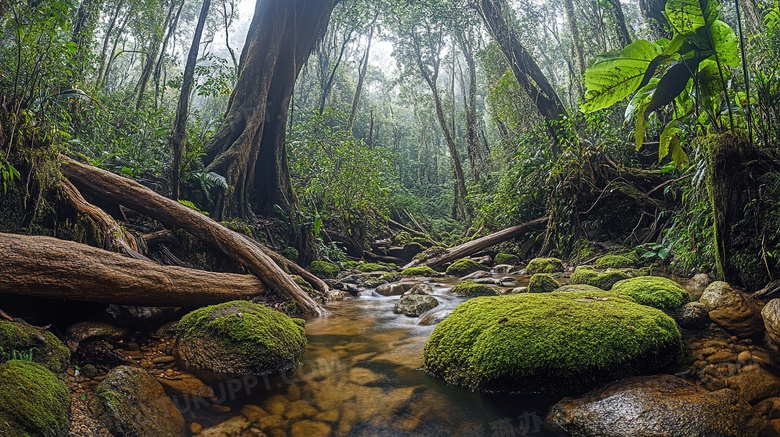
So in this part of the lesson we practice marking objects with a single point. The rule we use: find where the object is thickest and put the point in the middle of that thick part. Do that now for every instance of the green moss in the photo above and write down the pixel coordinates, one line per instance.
(551, 342)
(615, 261)
(391, 276)
(585, 249)
(51, 354)
(373, 282)
(463, 267)
(542, 283)
(349, 265)
(305, 285)
(402, 238)
(33, 400)
(266, 338)
(324, 269)
(505, 258)
(579, 288)
(413, 305)
(654, 291)
(589, 276)
(422, 241)
(472, 289)
(373, 267)
(419, 271)
(544, 265)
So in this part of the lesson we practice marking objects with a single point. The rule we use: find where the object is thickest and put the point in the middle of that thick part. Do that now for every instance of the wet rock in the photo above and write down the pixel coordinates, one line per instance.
(420, 289)
(502, 268)
(542, 283)
(406, 252)
(476, 275)
(33, 401)
(486, 281)
(769, 408)
(771, 317)
(519, 290)
(484, 260)
(89, 371)
(731, 310)
(130, 402)
(434, 317)
(140, 317)
(692, 315)
(701, 280)
(463, 267)
(507, 282)
(238, 338)
(230, 428)
(168, 329)
(276, 405)
(395, 289)
(81, 331)
(185, 385)
(47, 350)
(756, 385)
(254, 413)
(165, 359)
(506, 258)
(656, 406)
(308, 428)
(413, 305)
(299, 410)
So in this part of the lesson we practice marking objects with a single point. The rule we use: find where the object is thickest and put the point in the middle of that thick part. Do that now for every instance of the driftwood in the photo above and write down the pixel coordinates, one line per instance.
(116, 189)
(480, 244)
(48, 267)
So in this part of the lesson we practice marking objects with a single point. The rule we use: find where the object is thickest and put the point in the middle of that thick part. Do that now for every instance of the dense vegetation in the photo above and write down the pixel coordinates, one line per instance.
(654, 128)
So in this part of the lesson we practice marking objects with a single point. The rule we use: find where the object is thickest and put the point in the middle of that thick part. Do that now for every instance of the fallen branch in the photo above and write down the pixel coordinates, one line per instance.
(114, 188)
(52, 268)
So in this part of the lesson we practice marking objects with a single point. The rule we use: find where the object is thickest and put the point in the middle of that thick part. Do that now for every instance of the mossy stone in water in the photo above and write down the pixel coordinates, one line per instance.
(544, 265)
(472, 289)
(33, 401)
(615, 261)
(373, 267)
(581, 288)
(240, 338)
(420, 271)
(589, 276)
(413, 305)
(542, 283)
(463, 267)
(654, 291)
(506, 258)
(324, 269)
(549, 343)
(50, 352)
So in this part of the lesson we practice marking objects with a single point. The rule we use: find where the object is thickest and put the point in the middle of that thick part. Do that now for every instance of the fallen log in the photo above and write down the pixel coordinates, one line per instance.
(475, 246)
(403, 227)
(117, 189)
(59, 269)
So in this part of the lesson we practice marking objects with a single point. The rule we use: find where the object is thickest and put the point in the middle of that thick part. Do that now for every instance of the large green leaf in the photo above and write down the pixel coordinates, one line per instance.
(670, 143)
(616, 75)
(686, 16)
(709, 78)
(636, 109)
(725, 44)
(671, 85)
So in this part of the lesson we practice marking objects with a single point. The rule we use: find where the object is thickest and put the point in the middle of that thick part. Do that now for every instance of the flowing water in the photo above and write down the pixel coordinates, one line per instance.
(361, 376)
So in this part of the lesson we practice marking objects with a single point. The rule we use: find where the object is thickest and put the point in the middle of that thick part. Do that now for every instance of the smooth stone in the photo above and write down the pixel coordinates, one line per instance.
(231, 427)
(276, 405)
(479, 274)
(692, 315)
(731, 310)
(184, 384)
(308, 428)
(756, 385)
(363, 376)
(771, 316)
(394, 289)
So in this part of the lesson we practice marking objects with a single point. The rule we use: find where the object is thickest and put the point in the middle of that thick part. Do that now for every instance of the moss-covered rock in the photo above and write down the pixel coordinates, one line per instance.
(17, 338)
(580, 288)
(373, 267)
(130, 402)
(552, 342)
(544, 265)
(654, 291)
(324, 269)
(420, 271)
(615, 261)
(589, 276)
(463, 267)
(542, 283)
(349, 265)
(472, 289)
(413, 305)
(240, 338)
(506, 258)
(33, 401)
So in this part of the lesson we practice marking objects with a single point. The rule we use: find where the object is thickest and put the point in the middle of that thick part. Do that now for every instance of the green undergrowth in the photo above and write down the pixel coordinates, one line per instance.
(324, 269)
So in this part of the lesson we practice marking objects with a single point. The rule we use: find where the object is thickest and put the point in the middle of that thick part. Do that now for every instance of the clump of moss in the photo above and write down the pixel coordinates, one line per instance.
(391, 276)
(506, 258)
(589, 276)
(16, 337)
(654, 291)
(324, 269)
(33, 400)
(544, 265)
(422, 241)
(419, 271)
(242, 337)
(579, 288)
(305, 285)
(463, 267)
(551, 342)
(472, 289)
(615, 261)
(542, 283)
(349, 265)
(402, 238)
(373, 267)
(585, 249)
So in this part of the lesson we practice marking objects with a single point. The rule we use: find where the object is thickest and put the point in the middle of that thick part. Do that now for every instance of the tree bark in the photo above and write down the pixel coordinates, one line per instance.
(361, 76)
(568, 7)
(151, 58)
(52, 268)
(161, 59)
(329, 84)
(126, 19)
(117, 189)
(620, 20)
(476, 157)
(481, 243)
(182, 110)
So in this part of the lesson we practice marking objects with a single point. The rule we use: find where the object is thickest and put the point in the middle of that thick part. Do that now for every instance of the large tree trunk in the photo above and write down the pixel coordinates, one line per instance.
(568, 7)
(182, 110)
(526, 70)
(620, 20)
(329, 84)
(151, 57)
(113, 188)
(106, 42)
(362, 76)
(48, 267)
(473, 145)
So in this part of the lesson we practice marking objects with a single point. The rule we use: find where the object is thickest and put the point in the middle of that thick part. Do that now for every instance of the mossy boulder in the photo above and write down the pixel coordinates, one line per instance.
(420, 271)
(130, 402)
(413, 305)
(46, 348)
(33, 401)
(544, 265)
(654, 291)
(580, 288)
(239, 338)
(373, 267)
(542, 283)
(324, 269)
(604, 280)
(615, 262)
(463, 267)
(506, 258)
(472, 289)
(555, 343)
